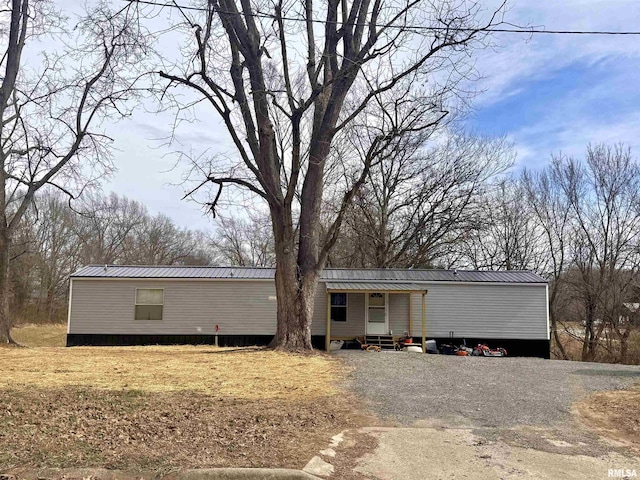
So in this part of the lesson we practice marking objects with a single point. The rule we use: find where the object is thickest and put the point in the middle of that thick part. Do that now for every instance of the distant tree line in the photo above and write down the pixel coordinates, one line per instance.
(456, 205)
(55, 238)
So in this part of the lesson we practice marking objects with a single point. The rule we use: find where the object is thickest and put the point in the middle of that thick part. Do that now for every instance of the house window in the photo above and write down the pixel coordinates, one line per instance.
(149, 303)
(339, 307)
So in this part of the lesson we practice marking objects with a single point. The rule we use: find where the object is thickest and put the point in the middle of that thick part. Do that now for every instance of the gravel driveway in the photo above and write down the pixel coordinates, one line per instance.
(476, 391)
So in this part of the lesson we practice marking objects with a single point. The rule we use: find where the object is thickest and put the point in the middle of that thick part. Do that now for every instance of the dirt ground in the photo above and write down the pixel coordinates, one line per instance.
(252, 373)
(615, 415)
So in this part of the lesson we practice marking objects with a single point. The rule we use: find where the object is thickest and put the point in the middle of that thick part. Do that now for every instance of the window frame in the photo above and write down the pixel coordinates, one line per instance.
(136, 304)
(345, 306)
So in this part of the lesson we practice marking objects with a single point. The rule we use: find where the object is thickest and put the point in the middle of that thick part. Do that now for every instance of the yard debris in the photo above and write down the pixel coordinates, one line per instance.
(168, 407)
(371, 348)
(82, 427)
(483, 350)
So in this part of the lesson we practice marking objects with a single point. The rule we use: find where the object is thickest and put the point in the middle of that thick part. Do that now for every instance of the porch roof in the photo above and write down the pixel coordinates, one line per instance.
(374, 287)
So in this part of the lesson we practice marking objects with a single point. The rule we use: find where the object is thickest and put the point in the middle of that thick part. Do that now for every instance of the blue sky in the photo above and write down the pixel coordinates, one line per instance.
(565, 109)
(546, 93)
(551, 94)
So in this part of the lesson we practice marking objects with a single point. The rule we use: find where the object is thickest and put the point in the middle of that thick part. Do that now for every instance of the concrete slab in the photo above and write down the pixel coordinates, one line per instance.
(319, 467)
(445, 454)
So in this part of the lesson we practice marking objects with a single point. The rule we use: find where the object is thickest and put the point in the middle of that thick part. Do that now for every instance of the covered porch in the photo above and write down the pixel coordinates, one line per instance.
(370, 309)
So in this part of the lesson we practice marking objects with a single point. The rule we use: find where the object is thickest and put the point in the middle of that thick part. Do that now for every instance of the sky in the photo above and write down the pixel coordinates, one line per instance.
(546, 93)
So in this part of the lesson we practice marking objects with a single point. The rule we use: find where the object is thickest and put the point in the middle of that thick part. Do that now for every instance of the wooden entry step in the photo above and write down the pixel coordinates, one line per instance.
(383, 341)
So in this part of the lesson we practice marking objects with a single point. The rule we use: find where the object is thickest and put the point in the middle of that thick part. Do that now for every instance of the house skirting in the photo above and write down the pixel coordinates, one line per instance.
(109, 339)
(514, 347)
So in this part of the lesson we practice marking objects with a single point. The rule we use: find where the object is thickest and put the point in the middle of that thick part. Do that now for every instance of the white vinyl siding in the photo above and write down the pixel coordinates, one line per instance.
(248, 307)
(484, 311)
(191, 307)
(399, 313)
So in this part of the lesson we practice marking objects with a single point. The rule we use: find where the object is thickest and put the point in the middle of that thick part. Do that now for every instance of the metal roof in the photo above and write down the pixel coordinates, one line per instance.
(375, 286)
(329, 274)
(419, 275)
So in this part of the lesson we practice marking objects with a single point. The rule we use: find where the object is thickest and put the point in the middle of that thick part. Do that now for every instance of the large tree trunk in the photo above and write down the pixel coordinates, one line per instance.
(295, 288)
(5, 288)
(297, 274)
(295, 298)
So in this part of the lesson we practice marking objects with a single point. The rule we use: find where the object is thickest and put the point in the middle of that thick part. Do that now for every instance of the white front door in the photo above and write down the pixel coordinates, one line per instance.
(376, 311)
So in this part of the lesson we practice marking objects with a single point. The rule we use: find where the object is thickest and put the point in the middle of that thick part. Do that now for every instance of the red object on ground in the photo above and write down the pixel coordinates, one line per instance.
(485, 351)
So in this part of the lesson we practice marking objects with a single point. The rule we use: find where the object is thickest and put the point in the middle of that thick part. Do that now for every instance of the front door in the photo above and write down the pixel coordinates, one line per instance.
(377, 319)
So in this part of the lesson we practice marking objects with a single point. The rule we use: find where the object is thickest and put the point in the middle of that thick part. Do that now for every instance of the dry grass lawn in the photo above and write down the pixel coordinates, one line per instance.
(52, 335)
(573, 348)
(219, 372)
(165, 407)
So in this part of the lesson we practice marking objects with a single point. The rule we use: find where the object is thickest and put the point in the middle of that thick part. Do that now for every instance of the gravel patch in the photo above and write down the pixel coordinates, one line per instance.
(477, 391)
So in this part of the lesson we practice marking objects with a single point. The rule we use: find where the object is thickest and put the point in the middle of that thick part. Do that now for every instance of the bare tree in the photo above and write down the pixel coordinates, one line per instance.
(296, 86)
(603, 192)
(50, 120)
(508, 235)
(553, 213)
(418, 204)
(158, 241)
(53, 250)
(106, 226)
(245, 242)
(53, 240)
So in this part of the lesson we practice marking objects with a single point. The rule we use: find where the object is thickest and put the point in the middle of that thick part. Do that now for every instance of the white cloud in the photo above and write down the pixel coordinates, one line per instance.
(536, 143)
(519, 58)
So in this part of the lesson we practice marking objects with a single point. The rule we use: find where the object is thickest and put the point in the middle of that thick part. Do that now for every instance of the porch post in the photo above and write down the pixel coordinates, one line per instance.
(424, 323)
(327, 338)
(410, 312)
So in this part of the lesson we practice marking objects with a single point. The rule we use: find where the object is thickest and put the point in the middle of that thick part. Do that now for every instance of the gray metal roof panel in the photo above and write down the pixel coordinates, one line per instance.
(329, 274)
(417, 275)
(375, 286)
(163, 271)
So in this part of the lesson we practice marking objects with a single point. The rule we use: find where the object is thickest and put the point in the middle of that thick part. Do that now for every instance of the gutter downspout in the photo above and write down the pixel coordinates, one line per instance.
(327, 338)
(424, 322)
(69, 309)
